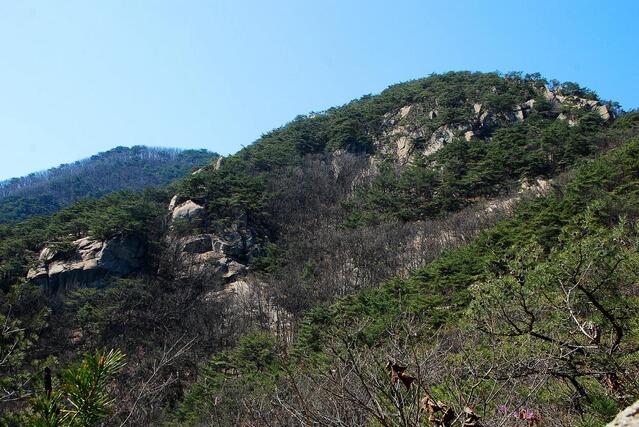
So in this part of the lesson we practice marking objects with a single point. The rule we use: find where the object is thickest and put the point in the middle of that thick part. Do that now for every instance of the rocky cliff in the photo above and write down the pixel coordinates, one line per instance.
(224, 246)
(87, 263)
(415, 128)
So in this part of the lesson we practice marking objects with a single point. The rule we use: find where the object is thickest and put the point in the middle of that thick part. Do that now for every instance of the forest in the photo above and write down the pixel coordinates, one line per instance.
(122, 168)
(458, 250)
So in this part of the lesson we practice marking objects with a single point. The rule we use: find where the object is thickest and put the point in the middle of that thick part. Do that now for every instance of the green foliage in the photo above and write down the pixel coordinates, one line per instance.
(573, 89)
(583, 224)
(82, 397)
(118, 169)
(249, 178)
(268, 261)
(435, 297)
(118, 214)
(463, 170)
(250, 368)
(23, 317)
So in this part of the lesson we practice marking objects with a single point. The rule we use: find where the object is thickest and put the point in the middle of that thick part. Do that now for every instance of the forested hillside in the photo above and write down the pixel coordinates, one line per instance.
(534, 322)
(121, 168)
(457, 250)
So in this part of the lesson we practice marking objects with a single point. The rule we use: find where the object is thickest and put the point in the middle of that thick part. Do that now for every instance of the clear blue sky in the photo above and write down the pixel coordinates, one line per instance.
(79, 77)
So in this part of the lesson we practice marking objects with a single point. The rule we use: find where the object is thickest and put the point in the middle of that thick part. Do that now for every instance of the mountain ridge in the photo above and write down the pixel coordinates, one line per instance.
(120, 168)
(280, 280)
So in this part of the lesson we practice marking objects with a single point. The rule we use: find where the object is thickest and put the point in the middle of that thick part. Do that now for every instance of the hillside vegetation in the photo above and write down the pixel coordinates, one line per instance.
(538, 313)
(458, 249)
(121, 168)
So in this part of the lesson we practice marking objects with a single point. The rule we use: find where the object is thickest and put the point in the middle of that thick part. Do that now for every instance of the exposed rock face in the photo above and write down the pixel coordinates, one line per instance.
(468, 135)
(400, 132)
(237, 289)
(89, 263)
(539, 187)
(405, 131)
(173, 203)
(221, 252)
(558, 100)
(218, 163)
(246, 295)
(404, 134)
(226, 250)
(187, 210)
(198, 244)
(629, 417)
(229, 243)
(231, 268)
(354, 167)
(604, 112)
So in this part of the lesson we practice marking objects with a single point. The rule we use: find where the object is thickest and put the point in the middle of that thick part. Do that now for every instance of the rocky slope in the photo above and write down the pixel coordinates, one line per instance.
(227, 246)
(409, 131)
(324, 209)
(86, 263)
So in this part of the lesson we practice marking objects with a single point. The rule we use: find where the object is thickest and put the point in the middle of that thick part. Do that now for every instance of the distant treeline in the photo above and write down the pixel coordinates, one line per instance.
(121, 168)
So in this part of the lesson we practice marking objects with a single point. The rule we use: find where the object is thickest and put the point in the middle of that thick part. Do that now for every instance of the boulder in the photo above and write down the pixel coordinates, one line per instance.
(233, 290)
(442, 135)
(548, 94)
(37, 273)
(187, 210)
(89, 263)
(233, 248)
(220, 253)
(629, 417)
(539, 187)
(47, 254)
(604, 112)
(173, 203)
(468, 135)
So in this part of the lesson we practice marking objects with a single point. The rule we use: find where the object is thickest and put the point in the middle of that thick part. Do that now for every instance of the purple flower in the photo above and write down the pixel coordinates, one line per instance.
(523, 414)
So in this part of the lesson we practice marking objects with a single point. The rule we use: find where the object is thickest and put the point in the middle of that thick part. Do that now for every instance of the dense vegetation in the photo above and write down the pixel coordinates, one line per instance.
(539, 313)
(118, 169)
(359, 258)
(118, 214)
(448, 180)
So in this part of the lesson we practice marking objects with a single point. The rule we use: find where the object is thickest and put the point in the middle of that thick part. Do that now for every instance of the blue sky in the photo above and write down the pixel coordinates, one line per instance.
(80, 77)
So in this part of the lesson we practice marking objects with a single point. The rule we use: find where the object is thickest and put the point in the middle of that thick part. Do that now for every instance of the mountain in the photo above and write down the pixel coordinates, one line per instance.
(457, 250)
(121, 168)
